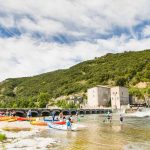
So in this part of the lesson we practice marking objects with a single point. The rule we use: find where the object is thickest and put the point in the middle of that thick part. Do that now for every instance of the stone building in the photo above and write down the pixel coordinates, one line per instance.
(102, 95)
(98, 96)
(119, 97)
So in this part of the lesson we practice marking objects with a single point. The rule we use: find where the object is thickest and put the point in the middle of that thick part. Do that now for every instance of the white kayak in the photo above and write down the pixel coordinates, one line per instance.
(74, 127)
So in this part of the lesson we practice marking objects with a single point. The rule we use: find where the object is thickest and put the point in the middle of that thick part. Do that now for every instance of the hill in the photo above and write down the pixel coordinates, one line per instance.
(124, 69)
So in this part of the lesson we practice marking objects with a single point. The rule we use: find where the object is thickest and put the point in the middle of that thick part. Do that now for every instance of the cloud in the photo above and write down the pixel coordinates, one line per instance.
(40, 36)
(68, 17)
(146, 31)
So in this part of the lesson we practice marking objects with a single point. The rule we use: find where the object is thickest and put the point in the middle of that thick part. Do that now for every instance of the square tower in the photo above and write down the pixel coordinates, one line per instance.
(98, 96)
(119, 96)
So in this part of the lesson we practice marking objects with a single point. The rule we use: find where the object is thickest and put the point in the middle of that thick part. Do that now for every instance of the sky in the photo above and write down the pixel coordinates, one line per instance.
(38, 36)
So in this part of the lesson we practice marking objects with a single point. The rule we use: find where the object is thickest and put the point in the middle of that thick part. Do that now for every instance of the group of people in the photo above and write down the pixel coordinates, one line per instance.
(108, 117)
(9, 113)
(62, 117)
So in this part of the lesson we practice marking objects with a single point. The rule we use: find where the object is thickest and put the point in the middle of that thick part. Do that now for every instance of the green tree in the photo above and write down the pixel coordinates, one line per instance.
(43, 99)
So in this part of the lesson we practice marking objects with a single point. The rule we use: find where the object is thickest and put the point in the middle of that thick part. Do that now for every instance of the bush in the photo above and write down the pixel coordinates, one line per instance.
(2, 137)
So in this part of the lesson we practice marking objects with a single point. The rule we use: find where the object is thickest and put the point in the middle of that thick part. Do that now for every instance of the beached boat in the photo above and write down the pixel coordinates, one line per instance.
(60, 122)
(12, 120)
(74, 127)
(25, 119)
(50, 120)
(39, 123)
(6, 118)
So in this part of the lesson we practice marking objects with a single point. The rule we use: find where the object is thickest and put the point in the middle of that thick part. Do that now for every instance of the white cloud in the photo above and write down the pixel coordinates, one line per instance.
(146, 31)
(98, 16)
(26, 57)
(85, 20)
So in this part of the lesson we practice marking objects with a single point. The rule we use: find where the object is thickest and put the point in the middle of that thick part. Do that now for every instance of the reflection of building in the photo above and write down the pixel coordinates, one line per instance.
(98, 96)
(119, 96)
(102, 95)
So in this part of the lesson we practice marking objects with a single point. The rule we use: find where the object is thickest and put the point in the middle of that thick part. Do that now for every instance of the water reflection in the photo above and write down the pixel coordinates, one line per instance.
(106, 136)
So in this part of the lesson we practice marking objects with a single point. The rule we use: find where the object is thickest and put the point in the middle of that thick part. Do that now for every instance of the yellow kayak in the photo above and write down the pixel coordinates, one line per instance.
(39, 123)
(12, 120)
(5, 118)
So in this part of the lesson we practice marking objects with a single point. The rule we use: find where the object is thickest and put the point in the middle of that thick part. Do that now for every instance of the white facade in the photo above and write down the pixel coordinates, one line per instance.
(119, 97)
(98, 96)
(102, 95)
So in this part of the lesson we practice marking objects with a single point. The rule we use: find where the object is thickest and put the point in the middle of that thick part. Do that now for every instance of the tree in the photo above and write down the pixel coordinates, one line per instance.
(43, 99)
(121, 81)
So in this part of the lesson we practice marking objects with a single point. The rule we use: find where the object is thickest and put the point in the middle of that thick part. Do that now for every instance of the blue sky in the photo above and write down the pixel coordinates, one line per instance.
(39, 36)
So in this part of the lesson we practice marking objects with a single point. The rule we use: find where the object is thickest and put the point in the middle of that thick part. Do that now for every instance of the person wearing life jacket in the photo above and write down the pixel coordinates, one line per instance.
(68, 124)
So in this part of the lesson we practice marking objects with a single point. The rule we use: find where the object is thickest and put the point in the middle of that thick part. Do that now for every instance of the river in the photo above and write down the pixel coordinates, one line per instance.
(133, 134)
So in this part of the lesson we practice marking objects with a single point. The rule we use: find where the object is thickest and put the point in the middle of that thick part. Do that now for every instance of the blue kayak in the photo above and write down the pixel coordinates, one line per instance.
(50, 120)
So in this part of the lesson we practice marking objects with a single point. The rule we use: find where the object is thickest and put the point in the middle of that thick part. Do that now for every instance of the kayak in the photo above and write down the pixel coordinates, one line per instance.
(74, 127)
(21, 119)
(12, 120)
(39, 123)
(6, 118)
(25, 119)
(50, 120)
(60, 122)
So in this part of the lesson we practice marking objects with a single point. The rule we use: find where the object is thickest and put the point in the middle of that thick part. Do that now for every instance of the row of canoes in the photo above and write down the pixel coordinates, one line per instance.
(13, 118)
(32, 120)
(42, 123)
(55, 125)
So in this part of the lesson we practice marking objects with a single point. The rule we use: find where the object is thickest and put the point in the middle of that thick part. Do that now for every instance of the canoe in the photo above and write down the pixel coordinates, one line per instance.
(39, 123)
(25, 119)
(31, 119)
(6, 118)
(60, 122)
(21, 119)
(50, 120)
(12, 120)
(74, 127)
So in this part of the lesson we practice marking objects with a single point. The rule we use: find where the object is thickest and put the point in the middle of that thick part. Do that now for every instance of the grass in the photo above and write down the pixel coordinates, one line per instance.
(2, 137)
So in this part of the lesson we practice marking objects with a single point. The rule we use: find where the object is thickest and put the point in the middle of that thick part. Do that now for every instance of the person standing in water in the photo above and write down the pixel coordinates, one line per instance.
(109, 117)
(121, 119)
(29, 113)
(68, 124)
(61, 116)
(53, 116)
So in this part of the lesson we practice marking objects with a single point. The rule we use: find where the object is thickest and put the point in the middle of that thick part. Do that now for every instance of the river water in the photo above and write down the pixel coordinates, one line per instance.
(133, 134)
